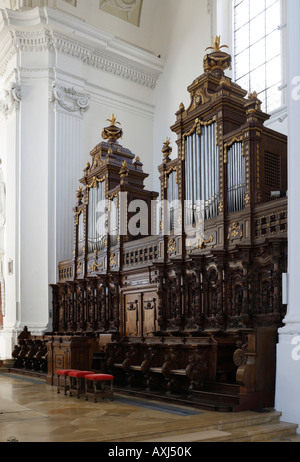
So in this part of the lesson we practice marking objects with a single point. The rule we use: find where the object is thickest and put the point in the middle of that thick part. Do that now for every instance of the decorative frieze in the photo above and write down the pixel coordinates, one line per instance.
(108, 54)
(16, 4)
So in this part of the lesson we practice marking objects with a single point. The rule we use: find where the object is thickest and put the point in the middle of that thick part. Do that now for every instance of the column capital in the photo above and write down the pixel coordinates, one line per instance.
(11, 99)
(69, 99)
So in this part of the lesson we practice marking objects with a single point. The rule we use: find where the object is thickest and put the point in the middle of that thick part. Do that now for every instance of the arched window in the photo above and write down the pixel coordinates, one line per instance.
(258, 27)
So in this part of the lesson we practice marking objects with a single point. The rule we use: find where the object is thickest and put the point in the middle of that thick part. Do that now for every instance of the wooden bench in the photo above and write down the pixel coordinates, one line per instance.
(174, 368)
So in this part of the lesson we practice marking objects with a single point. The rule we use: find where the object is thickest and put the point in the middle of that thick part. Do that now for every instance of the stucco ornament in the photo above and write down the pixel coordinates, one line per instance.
(126, 6)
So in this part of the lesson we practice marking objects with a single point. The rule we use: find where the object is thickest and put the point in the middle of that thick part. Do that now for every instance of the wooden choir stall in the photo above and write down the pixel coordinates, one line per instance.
(178, 294)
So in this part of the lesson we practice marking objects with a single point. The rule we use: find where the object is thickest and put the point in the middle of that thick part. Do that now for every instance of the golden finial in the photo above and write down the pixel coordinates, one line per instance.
(166, 150)
(252, 95)
(112, 133)
(79, 194)
(113, 120)
(217, 61)
(167, 142)
(124, 172)
(216, 44)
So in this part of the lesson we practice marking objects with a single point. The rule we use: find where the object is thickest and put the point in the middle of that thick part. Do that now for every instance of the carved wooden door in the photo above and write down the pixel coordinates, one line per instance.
(132, 315)
(140, 311)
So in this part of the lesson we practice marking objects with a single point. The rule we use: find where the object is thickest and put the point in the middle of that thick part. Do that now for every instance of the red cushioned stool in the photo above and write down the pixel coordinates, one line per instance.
(77, 381)
(66, 385)
(105, 390)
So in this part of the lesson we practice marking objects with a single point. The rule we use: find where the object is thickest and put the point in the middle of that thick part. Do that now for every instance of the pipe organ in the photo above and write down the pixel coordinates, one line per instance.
(97, 217)
(201, 174)
(236, 178)
(187, 300)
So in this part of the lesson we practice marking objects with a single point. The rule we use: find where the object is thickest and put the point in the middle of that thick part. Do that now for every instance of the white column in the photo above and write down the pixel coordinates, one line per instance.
(288, 357)
(9, 153)
(68, 105)
(224, 25)
(34, 195)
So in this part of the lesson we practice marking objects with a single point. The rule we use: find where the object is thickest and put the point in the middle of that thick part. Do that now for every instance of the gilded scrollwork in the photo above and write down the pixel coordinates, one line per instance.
(198, 128)
(235, 231)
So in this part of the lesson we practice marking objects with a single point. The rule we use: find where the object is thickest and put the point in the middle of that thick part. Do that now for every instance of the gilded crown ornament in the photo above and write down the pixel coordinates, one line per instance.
(112, 133)
(216, 44)
(79, 195)
(167, 149)
(124, 172)
(217, 61)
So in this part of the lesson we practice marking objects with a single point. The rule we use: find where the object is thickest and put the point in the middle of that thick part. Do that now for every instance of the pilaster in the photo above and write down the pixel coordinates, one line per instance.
(288, 359)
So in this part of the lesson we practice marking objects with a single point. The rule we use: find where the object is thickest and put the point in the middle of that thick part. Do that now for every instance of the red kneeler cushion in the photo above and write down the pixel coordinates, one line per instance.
(99, 377)
(79, 374)
(64, 371)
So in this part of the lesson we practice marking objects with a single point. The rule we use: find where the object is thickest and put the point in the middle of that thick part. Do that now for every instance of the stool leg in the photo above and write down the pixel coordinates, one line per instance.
(112, 389)
(65, 384)
(58, 385)
(78, 387)
(71, 385)
(86, 389)
(95, 391)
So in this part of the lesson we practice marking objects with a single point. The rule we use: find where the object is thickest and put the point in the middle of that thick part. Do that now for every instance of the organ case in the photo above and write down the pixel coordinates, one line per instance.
(189, 295)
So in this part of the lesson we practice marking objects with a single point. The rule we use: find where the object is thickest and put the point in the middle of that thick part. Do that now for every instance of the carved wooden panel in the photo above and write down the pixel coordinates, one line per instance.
(149, 313)
(132, 315)
(140, 311)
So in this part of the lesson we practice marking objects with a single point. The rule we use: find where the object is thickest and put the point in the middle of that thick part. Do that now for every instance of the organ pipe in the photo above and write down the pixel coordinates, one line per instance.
(172, 193)
(80, 234)
(202, 175)
(236, 178)
(96, 214)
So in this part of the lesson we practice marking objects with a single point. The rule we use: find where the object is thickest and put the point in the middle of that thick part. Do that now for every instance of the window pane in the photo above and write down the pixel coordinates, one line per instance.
(242, 64)
(270, 2)
(272, 17)
(258, 54)
(273, 72)
(256, 7)
(242, 39)
(273, 45)
(258, 64)
(258, 79)
(242, 13)
(257, 28)
(274, 98)
(244, 82)
(262, 97)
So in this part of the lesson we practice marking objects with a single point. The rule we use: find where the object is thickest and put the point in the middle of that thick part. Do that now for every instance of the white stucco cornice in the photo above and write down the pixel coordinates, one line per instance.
(38, 29)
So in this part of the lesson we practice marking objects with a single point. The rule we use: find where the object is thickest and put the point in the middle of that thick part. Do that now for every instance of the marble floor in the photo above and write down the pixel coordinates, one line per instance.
(32, 411)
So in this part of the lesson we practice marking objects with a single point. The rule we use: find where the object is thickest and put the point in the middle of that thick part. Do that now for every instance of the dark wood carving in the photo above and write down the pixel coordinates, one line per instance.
(184, 307)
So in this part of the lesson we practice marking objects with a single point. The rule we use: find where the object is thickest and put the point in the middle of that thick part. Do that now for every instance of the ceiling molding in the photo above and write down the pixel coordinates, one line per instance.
(47, 29)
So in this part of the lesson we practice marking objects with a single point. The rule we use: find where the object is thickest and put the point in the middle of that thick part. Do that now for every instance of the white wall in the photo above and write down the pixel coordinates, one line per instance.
(48, 136)
(187, 35)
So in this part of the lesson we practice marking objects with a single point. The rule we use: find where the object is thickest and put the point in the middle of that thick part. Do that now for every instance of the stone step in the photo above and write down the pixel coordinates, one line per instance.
(258, 434)
(229, 424)
(6, 365)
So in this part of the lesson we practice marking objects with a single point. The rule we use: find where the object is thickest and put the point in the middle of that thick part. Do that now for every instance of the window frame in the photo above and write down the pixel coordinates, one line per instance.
(283, 38)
